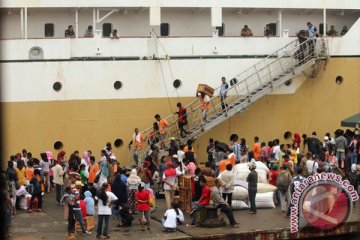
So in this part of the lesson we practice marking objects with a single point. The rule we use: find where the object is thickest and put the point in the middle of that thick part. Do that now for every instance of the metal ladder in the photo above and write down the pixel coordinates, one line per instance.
(261, 79)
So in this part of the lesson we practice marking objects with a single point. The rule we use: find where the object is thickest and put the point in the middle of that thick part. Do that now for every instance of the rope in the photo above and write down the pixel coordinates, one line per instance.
(168, 62)
(163, 77)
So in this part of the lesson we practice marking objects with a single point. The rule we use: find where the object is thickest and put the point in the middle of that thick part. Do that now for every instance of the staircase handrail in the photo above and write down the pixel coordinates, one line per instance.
(263, 60)
(280, 54)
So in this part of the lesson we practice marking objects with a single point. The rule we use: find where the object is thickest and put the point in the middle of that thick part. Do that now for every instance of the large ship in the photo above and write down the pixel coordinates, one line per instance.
(81, 91)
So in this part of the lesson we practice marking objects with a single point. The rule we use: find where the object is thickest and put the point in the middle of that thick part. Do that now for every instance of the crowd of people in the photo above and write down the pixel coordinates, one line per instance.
(81, 183)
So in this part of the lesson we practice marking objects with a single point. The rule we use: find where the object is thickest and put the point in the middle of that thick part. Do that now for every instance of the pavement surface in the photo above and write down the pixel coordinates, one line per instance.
(50, 224)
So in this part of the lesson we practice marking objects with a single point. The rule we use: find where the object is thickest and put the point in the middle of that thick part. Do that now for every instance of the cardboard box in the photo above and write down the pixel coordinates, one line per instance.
(210, 181)
(203, 88)
(185, 181)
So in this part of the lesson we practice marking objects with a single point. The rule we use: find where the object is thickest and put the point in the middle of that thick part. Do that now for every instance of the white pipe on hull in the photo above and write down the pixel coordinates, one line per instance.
(22, 22)
(26, 26)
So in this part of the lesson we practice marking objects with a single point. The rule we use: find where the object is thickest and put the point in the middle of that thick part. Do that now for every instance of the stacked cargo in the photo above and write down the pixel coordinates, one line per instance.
(185, 192)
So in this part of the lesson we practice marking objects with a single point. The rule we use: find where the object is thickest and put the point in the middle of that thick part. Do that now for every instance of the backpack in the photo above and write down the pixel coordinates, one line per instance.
(296, 179)
(283, 181)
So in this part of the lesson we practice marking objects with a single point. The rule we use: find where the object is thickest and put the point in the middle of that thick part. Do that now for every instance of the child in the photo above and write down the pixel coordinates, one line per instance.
(38, 189)
(143, 198)
(77, 210)
(172, 217)
(90, 203)
(29, 171)
(126, 216)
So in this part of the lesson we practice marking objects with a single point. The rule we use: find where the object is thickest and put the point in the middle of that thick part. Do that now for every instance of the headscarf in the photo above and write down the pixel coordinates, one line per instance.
(86, 157)
(297, 138)
(133, 179)
(60, 156)
(44, 157)
(119, 189)
(104, 169)
(49, 155)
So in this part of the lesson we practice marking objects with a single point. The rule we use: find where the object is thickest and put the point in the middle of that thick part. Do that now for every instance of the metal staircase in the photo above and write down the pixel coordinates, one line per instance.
(257, 81)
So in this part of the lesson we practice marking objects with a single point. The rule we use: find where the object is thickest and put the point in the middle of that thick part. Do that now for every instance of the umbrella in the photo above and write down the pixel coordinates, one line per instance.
(353, 121)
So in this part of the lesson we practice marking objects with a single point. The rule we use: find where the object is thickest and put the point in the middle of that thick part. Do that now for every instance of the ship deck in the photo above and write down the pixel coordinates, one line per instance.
(266, 224)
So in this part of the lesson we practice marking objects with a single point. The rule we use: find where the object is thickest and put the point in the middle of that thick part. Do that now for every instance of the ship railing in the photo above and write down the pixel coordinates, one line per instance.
(246, 87)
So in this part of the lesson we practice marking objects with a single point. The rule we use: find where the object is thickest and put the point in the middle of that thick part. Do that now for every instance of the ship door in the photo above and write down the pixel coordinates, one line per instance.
(107, 29)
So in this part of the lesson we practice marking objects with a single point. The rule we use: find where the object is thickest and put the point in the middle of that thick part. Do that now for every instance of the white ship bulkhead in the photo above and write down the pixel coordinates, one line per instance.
(146, 63)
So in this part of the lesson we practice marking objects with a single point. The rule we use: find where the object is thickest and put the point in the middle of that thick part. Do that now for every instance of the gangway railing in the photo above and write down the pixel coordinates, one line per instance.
(255, 82)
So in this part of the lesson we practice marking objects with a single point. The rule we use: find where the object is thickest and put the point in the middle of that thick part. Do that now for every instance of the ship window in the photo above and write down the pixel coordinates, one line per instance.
(287, 135)
(57, 86)
(177, 83)
(49, 29)
(164, 29)
(233, 81)
(339, 79)
(288, 82)
(58, 145)
(118, 142)
(107, 29)
(117, 85)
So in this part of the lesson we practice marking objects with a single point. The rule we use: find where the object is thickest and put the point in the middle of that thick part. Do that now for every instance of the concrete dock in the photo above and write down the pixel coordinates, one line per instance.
(270, 224)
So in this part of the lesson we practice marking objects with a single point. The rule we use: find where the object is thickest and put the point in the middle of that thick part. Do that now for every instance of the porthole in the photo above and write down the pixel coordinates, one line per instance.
(57, 86)
(339, 79)
(287, 135)
(58, 145)
(288, 82)
(117, 85)
(233, 81)
(177, 83)
(118, 142)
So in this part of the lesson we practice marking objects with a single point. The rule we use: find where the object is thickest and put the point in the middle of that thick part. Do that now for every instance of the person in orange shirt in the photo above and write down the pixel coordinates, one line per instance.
(163, 124)
(94, 168)
(29, 172)
(188, 144)
(256, 149)
(137, 139)
(222, 165)
(205, 104)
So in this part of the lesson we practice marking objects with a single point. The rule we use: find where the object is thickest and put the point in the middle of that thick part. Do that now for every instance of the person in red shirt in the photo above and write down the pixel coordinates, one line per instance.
(203, 201)
(143, 197)
(273, 174)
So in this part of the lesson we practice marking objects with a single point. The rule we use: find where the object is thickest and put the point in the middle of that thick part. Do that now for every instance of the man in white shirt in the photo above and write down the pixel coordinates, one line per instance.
(312, 166)
(276, 149)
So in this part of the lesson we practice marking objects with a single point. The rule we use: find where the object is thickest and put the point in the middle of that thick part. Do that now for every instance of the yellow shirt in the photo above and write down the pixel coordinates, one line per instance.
(294, 155)
(21, 176)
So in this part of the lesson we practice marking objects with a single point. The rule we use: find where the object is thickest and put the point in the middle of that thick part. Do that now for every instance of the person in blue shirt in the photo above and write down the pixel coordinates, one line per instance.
(123, 176)
(223, 90)
(312, 34)
(90, 203)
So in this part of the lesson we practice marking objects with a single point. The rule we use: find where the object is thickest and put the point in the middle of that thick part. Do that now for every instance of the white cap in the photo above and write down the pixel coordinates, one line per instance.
(175, 156)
